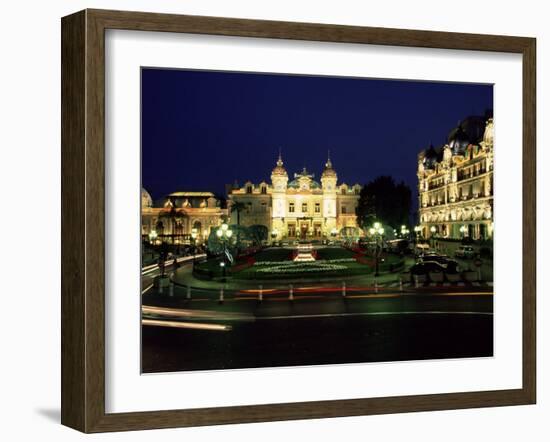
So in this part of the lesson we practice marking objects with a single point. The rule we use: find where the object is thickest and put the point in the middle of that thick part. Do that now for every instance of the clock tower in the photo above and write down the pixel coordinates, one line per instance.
(279, 181)
(328, 181)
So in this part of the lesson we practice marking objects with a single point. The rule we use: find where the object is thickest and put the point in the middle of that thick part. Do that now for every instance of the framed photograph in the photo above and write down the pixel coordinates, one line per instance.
(268, 221)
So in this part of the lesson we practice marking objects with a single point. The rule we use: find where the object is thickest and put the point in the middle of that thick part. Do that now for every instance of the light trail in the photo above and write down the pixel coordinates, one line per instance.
(332, 315)
(147, 289)
(152, 267)
(189, 325)
(190, 313)
(338, 289)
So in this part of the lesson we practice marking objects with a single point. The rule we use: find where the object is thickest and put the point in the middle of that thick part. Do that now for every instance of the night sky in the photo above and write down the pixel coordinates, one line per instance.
(203, 129)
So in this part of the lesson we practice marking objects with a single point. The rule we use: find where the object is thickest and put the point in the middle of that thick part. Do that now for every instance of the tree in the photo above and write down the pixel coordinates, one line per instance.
(259, 232)
(238, 207)
(385, 201)
(174, 215)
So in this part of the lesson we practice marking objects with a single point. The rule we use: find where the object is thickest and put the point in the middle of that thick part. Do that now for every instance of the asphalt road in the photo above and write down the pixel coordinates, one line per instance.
(319, 340)
(317, 329)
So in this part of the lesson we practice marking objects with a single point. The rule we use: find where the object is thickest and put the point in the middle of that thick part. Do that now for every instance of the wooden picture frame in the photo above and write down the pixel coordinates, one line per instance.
(83, 216)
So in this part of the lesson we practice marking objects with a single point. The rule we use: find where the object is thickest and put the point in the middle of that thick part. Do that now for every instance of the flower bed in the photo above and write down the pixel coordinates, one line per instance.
(301, 267)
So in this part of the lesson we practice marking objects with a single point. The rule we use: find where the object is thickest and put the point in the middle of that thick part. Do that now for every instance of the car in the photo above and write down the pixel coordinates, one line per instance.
(421, 249)
(465, 252)
(421, 270)
(426, 266)
(433, 267)
(444, 260)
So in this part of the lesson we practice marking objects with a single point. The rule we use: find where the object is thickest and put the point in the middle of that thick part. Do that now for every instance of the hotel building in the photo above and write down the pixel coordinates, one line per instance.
(455, 183)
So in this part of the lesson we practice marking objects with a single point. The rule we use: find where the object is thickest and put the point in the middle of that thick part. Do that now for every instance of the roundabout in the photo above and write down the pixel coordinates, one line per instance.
(278, 267)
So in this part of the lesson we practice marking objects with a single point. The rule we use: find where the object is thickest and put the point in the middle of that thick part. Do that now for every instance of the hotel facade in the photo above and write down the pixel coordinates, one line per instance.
(301, 208)
(455, 183)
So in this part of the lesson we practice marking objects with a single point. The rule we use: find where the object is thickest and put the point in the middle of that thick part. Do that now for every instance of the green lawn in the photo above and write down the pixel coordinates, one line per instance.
(349, 269)
(334, 253)
(291, 270)
(275, 263)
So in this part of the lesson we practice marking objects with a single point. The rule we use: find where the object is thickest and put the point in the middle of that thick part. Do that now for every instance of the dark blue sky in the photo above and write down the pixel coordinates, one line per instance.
(203, 129)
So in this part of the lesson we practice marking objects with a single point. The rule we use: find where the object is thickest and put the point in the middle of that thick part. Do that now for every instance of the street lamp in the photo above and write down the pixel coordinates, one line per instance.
(377, 231)
(224, 233)
(194, 238)
(463, 229)
(153, 236)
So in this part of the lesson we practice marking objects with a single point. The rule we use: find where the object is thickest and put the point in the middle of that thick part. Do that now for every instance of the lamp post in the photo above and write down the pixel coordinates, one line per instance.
(153, 236)
(224, 233)
(463, 229)
(377, 231)
(194, 238)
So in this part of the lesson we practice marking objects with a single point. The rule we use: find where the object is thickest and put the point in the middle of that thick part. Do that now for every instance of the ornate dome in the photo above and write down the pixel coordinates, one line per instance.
(430, 158)
(328, 172)
(458, 140)
(304, 180)
(312, 184)
(279, 170)
(146, 200)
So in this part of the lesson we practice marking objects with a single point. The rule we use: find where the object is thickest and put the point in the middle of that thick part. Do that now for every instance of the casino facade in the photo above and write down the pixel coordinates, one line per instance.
(298, 208)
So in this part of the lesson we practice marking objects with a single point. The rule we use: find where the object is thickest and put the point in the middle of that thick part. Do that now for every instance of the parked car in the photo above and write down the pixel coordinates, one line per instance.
(421, 249)
(465, 252)
(422, 270)
(444, 260)
(432, 271)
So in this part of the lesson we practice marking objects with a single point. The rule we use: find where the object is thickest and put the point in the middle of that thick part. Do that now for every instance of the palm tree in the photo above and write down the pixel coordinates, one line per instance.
(238, 207)
(173, 215)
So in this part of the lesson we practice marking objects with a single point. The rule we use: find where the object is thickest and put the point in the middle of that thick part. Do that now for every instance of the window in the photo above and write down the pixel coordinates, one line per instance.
(291, 230)
(264, 189)
(344, 209)
(291, 208)
(248, 189)
(264, 207)
(304, 207)
(343, 190)
(317, 208)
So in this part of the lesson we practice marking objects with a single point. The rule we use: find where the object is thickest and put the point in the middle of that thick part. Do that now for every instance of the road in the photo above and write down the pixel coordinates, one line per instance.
(319, 340)
(316, 325)
(317, 329)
